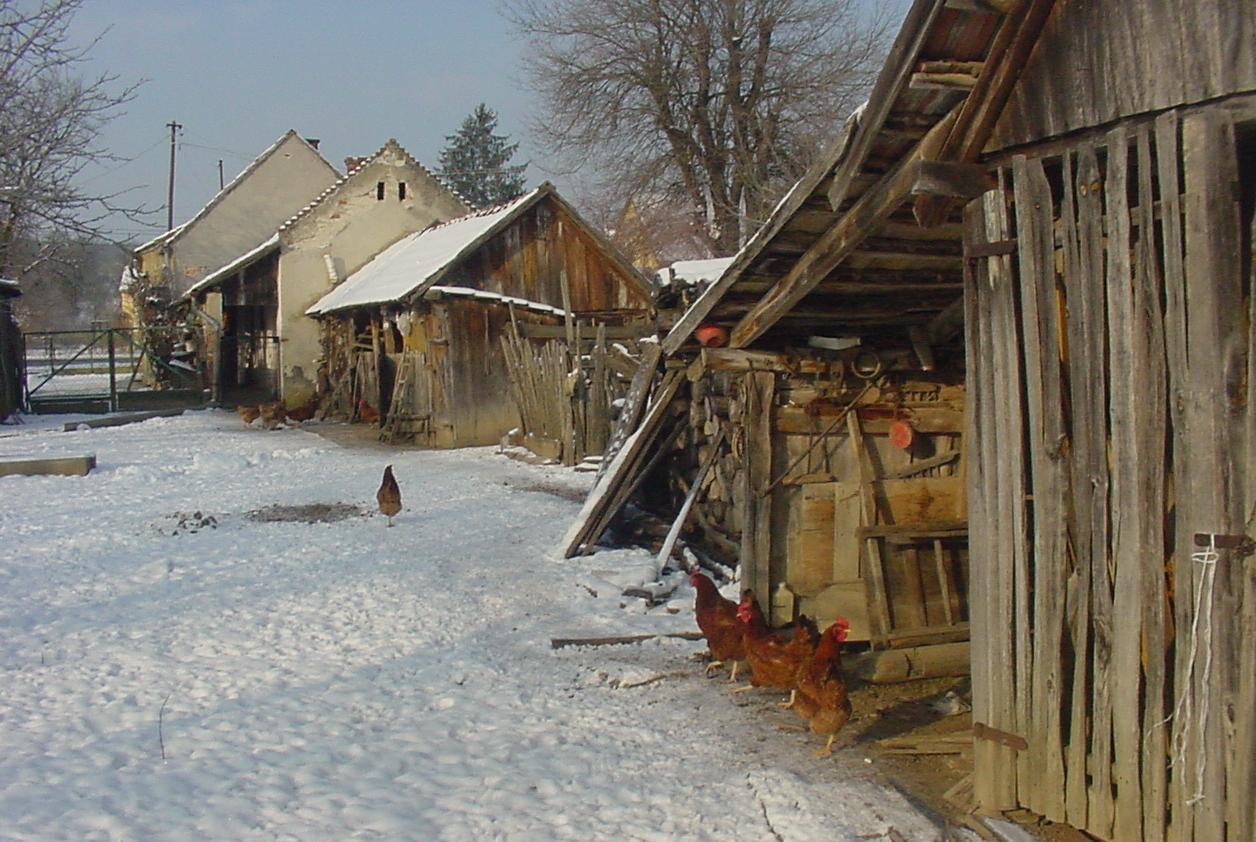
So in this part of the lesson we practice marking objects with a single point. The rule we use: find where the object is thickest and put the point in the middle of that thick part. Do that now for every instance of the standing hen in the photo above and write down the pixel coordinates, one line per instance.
(724, 631)
(774, 659)
(822, 699)
(389, 495)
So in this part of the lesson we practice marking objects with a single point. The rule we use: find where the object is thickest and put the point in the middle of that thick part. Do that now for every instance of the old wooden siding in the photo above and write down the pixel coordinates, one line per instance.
(1102, 60)
(539, 253)
(1127, 310)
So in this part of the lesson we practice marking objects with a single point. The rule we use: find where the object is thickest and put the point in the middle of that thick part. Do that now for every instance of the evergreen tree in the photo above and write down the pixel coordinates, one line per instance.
(476, 162)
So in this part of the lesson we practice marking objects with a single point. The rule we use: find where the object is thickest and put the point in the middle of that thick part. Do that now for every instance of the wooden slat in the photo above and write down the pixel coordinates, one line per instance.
(1077, 592)
(860, 221)
(1034, 220)
(874, 578)
(1150, 423)
(1167, 167)
(945, 585)
(1216, 365)
(1086, 299)
(1128, 518)
(994, 781)
(756, 538)
(1011, 602)
(894, 76)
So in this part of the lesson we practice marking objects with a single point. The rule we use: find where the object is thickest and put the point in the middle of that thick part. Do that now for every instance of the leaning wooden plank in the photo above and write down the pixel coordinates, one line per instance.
(620, 640)
(1077, 592)
(634, 404)
(874, 581)
(1168, 172)
(61, 466)
(665, 552)
(1035, 217)
(597, 507)
(120, 420)
(1009, 602)
(756, 543)
(978, 401)
(1216, 362)
(1151, 419)
(1087, 296)
(1127, 516)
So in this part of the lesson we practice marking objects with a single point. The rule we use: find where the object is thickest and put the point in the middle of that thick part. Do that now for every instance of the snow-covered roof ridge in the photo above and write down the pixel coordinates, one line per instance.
(485, 295)
(418, 260)
(231, 185)
(9, 286)
(390, 145)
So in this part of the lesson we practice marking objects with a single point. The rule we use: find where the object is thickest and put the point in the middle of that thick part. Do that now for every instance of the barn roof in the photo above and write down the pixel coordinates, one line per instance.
(417, 262)
(845, 251)
(235, 265)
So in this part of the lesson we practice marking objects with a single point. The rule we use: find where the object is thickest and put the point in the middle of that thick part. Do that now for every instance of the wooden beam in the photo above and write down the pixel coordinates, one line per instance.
(870, 211)
(954, 81)
(947, 323)
(893, 78)
(1016, 37)
(994, 7)
(943, 178)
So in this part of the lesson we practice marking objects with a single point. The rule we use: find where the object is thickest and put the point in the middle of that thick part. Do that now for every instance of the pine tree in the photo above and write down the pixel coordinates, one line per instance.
(476, 162)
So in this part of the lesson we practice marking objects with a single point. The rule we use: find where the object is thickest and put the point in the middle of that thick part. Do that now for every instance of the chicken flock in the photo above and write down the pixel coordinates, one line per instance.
(804, 662)
(274, 414)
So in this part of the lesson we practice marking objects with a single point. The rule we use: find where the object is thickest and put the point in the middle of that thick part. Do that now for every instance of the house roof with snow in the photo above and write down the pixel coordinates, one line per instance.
(250, 257)
(418, 262)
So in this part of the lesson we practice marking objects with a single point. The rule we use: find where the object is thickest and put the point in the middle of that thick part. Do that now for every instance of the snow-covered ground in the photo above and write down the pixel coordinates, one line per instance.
(345, 680)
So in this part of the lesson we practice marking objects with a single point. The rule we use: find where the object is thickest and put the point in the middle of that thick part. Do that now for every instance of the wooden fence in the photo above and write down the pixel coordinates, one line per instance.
(1110, 334)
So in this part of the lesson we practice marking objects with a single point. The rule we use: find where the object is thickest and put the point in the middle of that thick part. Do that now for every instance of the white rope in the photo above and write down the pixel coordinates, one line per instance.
(1183, 712)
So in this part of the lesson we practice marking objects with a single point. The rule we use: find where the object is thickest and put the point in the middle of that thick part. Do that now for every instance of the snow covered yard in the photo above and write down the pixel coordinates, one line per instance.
(336, 680)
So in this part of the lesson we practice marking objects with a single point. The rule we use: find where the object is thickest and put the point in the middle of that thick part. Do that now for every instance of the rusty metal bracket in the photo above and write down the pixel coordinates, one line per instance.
(982, 731)
(1242, 545)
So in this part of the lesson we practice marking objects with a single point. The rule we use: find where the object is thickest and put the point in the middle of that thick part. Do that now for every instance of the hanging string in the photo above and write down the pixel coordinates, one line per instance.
(1184, 711)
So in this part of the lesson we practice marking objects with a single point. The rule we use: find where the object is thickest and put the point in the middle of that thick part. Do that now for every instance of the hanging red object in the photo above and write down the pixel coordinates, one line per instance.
(901, 435)
(711, 336)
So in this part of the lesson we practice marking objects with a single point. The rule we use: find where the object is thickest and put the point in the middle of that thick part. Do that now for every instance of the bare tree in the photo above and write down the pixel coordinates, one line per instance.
(50, 122)
(716, 103)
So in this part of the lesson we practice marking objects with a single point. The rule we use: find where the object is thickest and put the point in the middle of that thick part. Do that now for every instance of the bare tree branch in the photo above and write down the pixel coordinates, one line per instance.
(712, 103)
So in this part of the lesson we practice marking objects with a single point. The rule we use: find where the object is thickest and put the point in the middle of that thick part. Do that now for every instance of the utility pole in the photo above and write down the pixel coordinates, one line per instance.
(220, 181)
(174, 127)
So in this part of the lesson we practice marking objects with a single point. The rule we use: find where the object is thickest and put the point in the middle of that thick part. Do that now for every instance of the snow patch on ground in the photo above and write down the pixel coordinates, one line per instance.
(328, 680)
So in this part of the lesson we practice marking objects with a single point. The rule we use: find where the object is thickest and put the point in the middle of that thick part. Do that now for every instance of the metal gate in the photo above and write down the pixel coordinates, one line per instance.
(111, 369)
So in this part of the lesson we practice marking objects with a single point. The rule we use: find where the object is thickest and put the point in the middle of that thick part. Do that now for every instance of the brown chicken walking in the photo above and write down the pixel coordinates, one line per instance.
(389, 495)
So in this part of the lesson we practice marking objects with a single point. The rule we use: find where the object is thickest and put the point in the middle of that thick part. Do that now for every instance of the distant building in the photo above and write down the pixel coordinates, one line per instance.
(11, 355)
(288, 175)
(267, 347)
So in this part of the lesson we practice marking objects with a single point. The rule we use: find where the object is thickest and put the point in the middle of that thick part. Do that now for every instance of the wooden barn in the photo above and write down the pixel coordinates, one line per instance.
(417, 332)
(12, 352)
(1068, 185)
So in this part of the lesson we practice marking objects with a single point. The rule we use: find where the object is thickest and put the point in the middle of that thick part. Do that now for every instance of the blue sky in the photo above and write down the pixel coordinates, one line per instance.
(239, 73)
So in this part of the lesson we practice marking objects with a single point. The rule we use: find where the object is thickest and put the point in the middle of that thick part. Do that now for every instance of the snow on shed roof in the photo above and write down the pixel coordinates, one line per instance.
(417, 260)
(8, 287)
(694, 271)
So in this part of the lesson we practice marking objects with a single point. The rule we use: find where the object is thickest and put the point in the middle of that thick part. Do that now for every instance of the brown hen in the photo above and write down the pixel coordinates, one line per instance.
(389, 495)
(774, 659)
(822, 699)
(724, 631)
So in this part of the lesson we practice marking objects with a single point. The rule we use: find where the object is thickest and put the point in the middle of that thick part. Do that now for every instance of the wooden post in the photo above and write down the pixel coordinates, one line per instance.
(756, 538)
(113, 374)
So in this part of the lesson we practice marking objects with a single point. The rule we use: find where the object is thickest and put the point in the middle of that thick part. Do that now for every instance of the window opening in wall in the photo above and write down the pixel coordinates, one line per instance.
(401, 190)
(379, 191)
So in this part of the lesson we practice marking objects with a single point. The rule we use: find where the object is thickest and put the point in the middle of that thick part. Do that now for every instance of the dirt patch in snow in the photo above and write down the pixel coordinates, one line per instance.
(566, 492)
(307, 513)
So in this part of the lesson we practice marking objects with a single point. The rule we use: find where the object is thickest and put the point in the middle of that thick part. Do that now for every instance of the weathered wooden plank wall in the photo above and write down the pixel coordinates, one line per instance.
(1102, 60)
(1137, 344)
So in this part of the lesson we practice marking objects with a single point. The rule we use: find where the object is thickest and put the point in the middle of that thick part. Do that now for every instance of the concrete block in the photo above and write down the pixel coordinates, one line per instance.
(66, 466)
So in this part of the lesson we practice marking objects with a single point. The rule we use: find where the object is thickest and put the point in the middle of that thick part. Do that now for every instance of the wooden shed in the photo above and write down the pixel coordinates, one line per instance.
(417, 332)
(1083, 171)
